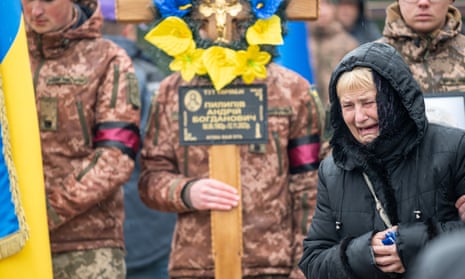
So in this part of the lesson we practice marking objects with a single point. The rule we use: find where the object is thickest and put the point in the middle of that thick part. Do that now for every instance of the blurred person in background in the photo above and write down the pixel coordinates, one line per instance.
(329, 42)
(442, 258)
(147, 232)
(353, 16)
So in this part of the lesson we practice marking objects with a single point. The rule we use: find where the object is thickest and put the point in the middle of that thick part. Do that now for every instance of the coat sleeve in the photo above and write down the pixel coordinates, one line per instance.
(412, 238)
(161, 181)
(303, 150)
(115, 143)
(327, 256)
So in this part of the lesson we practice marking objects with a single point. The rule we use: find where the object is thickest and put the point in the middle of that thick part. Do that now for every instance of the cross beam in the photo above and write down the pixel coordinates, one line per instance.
(139, 11)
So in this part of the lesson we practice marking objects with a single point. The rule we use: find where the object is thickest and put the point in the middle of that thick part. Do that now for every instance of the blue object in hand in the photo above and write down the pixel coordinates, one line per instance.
(390, 238)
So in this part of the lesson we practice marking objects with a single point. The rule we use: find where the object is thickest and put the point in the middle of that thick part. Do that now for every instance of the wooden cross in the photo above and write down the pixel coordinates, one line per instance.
(224, 160)
(226, 226)
(223, 11)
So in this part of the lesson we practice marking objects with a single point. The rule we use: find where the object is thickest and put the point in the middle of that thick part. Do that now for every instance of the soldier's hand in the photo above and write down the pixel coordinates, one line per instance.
(211, 194)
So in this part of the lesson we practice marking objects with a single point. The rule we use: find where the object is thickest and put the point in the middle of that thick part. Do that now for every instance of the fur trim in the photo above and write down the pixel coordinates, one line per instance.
(345, 261)
(431, 229)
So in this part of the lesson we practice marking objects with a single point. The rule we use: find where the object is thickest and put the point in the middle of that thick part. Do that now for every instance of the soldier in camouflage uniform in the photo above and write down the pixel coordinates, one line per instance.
(88, 106)
(274, 200)
(278, 180)
(427, 34)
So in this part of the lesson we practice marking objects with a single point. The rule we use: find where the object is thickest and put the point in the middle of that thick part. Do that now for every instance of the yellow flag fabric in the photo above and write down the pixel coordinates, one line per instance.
(24, 242)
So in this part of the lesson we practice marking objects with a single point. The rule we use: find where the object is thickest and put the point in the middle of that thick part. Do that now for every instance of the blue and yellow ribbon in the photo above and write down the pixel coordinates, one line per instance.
(24, 242)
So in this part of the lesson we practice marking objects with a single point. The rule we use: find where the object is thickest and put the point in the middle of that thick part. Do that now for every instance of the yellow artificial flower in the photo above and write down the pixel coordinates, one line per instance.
(172, 36)
(221, 64)
(189, 63)
(252, 63)
(265, 32)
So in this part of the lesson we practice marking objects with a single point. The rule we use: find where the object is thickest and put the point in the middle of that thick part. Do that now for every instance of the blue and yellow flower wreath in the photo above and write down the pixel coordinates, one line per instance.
(176, 33)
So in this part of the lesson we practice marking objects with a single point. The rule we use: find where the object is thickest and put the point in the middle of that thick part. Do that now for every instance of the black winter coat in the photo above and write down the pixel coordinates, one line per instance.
(418, 173)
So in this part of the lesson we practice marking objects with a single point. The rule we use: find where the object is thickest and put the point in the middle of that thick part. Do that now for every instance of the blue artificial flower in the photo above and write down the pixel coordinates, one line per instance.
(264, 9)
(178, 8)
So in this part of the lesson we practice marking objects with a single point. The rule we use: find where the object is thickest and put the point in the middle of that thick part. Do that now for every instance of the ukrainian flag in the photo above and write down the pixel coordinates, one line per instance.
(295, 52)
(24, 242)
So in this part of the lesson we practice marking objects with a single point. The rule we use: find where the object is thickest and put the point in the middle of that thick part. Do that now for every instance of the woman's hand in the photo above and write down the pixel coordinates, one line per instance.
(460, 205)
(386, 256)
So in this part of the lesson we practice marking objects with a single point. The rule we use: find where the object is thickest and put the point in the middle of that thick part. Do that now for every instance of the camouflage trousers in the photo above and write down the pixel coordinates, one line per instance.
(103, 263)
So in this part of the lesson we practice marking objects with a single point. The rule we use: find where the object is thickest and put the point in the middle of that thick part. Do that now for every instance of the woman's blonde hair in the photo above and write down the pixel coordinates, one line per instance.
(358, 78)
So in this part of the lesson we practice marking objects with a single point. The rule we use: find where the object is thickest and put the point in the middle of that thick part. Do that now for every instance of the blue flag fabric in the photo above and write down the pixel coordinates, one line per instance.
(294, 53)
(9, 223)
(10, 16)
(13, 227)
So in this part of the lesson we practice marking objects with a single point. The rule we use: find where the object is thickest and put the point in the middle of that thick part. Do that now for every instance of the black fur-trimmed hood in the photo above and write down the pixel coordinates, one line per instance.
(388, 64)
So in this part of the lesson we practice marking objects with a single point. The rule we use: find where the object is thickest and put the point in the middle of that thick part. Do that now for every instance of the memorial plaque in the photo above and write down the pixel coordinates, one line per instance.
(234, 115)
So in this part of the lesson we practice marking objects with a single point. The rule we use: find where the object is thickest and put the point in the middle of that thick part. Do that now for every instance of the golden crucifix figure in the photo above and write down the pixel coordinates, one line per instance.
(223, 12)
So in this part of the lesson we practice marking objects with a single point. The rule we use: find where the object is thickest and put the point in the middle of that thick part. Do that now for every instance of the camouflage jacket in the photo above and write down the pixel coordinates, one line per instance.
(88, 108)
(437, 62)
(278, 192)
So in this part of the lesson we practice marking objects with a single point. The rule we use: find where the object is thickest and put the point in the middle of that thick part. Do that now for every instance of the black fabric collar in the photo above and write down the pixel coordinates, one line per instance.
(83, 14)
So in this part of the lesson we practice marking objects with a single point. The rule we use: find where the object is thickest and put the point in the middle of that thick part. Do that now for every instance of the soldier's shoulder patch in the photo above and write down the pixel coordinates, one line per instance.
(320, 110)
(279, 111)
(133, 97)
